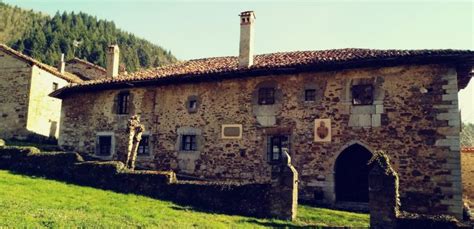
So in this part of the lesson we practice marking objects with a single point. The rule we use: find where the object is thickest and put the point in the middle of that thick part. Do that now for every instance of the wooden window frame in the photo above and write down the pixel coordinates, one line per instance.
(189, 142)
(310, 95)
(277, 140)
(266, 96)
(369, 100)
(123, 103)
(100, 148)
(144, 150)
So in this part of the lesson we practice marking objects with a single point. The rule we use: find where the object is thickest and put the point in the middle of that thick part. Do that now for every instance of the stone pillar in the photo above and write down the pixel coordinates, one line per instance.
(448, 127)
(284, 193)
(384, 200)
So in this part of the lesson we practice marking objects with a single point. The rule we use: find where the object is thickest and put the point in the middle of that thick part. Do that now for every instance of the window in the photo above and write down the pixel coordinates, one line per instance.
(189, 143)
(362, 94)
(275, 146)
(310, 95)
(144, 146)
(266, 96)
(192, 104)
(123, 100)
(55, 86)
(104, 147)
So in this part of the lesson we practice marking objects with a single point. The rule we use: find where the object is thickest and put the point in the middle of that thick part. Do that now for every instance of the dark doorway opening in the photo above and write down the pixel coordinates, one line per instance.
(351, 174)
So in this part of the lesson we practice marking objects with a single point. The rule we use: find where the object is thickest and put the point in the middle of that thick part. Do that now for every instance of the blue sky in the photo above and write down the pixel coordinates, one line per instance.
(197, 29)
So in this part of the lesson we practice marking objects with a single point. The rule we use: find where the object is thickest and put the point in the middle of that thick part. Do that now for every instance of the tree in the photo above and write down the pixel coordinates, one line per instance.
(45, 38)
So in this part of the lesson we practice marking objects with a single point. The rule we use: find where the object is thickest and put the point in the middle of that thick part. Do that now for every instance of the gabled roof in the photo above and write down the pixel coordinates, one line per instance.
(219, 68)
(66, 75)
(85, 62)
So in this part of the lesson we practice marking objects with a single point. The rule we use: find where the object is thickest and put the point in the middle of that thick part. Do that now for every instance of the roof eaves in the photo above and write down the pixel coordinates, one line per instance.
(37, 63)
(263, 70)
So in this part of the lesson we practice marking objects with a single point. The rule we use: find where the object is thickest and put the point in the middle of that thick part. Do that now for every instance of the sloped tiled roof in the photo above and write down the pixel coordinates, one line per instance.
(66, 75)
(227, 67)
(85, 62)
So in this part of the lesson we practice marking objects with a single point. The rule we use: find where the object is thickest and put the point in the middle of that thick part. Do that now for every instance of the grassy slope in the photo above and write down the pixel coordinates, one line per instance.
(34, 202)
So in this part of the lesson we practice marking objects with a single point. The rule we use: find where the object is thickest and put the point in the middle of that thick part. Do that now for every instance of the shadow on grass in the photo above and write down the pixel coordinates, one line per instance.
(284, 224)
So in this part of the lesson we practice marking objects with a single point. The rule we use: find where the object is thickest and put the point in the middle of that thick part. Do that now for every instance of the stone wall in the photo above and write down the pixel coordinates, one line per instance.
(44, 111)
(15, 76)
(85, 70)
(269, 200)
(467, 165)
(412, 118)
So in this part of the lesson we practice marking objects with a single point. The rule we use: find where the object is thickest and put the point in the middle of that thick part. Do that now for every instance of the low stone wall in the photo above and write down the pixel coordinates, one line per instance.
(258, 200)
(384, 202)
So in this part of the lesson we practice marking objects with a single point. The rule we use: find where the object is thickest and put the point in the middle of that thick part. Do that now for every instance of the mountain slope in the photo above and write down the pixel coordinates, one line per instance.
(14, 21)
(76, 35)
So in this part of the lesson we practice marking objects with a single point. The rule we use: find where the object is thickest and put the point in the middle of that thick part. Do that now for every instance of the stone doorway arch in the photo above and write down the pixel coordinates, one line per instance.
(351, 174)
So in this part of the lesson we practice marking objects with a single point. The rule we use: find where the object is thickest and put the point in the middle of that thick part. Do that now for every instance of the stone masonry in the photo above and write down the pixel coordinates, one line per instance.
(15, 76)
(449, 124)
(467, 165)
(414, 117)
(85, 69)
(26, 109)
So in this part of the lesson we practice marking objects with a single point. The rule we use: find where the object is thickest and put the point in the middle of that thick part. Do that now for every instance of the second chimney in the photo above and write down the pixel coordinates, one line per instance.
(247, 20)
(62, 64)
(113, 54)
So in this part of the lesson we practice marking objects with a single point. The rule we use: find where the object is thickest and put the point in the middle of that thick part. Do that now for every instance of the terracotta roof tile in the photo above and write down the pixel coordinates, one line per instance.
(202, 68)
(66, 75)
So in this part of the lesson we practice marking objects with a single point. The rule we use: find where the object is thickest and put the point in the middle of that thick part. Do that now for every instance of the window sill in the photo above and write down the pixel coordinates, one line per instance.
(274, 162)
(371, 104)
(145, 156)
(103, 157)
(189, 151)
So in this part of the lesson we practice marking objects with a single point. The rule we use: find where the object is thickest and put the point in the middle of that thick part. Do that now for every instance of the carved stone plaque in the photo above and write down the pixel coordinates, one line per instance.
(322, 130)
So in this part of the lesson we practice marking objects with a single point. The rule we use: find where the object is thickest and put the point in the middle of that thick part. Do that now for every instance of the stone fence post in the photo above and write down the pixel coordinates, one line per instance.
(384, 200)
(284, 190)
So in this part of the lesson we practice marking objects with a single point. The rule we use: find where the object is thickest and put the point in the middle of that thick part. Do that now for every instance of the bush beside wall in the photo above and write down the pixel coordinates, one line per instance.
(230, 198)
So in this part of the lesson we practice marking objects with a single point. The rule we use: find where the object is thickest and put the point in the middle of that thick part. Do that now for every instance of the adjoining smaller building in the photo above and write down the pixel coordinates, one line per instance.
(26, 109)
(85, 69)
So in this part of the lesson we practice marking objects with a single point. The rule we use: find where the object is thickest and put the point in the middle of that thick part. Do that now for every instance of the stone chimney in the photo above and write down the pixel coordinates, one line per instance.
(62, 64)
(247, 20)
(113, 54)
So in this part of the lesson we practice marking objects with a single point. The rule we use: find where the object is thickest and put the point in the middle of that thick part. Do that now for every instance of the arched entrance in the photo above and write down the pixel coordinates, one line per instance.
(351, 174)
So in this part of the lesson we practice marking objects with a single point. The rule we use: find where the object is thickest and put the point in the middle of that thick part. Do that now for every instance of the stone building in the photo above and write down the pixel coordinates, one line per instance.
(26, 109)
(230, 118)
(84, 69)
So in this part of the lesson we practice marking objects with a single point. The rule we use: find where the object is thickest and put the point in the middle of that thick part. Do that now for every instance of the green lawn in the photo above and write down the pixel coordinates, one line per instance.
(36, 202)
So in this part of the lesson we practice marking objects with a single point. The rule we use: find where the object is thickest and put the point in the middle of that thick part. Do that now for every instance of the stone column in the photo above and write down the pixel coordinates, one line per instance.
(384, 200)
(284, 193)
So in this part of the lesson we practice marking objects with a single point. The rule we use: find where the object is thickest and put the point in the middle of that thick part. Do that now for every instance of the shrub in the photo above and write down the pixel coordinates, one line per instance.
(10, 155)
(101, 174)
(57, 165)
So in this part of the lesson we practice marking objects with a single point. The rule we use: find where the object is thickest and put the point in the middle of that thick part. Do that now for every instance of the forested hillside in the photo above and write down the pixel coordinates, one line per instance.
(14, 21)
(76, 34)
